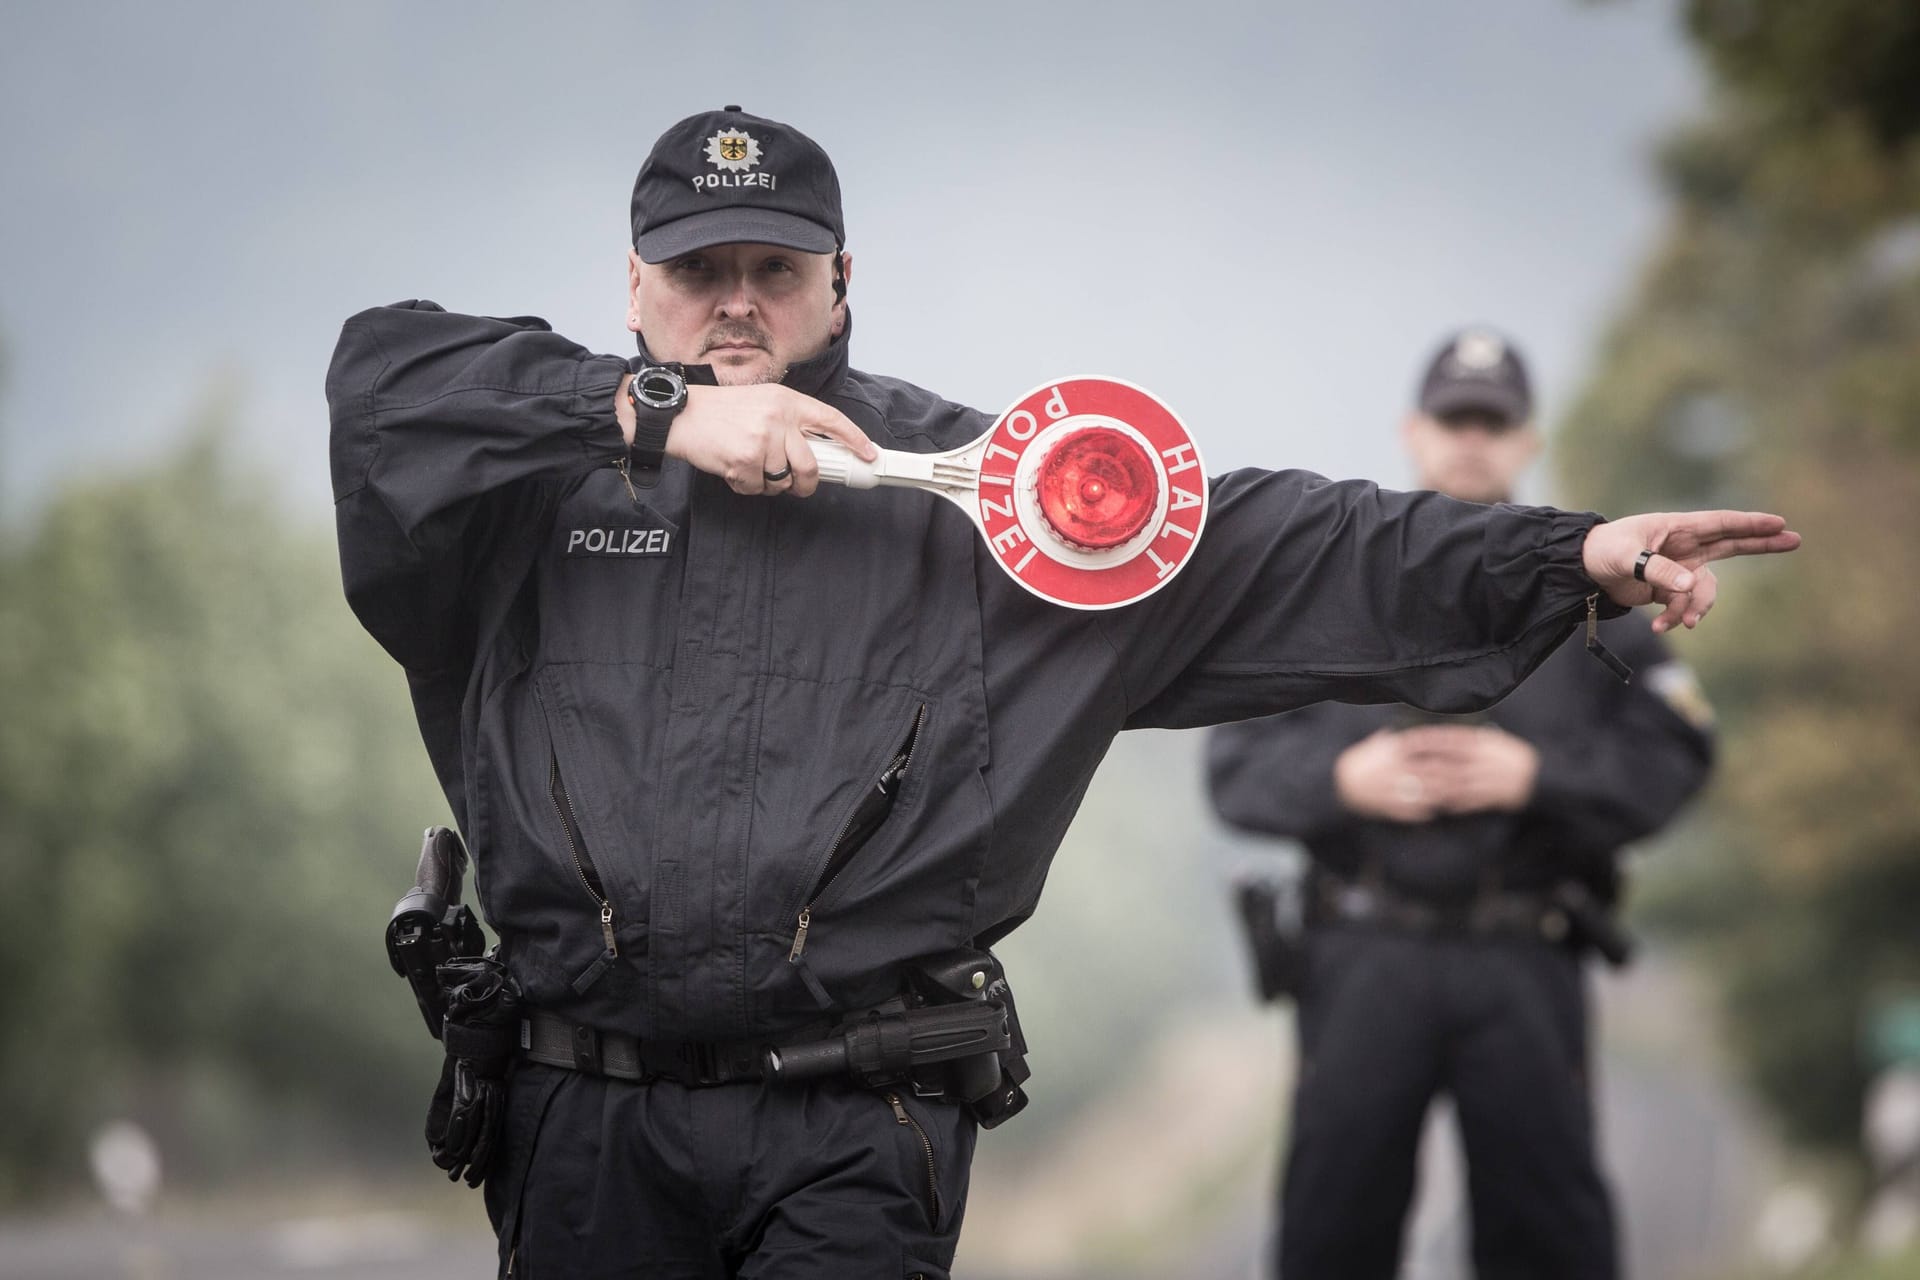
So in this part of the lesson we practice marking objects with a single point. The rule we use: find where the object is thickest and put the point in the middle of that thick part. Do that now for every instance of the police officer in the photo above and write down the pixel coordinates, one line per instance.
(1460, 866)
(662, 675)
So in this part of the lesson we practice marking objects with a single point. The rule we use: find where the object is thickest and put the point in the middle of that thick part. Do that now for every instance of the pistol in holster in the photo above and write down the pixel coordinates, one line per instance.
(1593, 923)
(430, 926)
(1272, 912)
(953, 1034)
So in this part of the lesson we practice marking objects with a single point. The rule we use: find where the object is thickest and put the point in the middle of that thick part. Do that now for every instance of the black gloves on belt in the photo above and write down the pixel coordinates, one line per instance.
(481, 1032)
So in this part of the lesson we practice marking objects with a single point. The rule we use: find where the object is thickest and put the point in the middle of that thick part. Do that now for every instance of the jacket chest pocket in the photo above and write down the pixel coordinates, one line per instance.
(609, 575)
(869, 812)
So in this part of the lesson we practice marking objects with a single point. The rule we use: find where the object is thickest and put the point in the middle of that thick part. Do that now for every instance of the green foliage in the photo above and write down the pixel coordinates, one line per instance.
(209, 785)
(1816, 60)
(1771, 359)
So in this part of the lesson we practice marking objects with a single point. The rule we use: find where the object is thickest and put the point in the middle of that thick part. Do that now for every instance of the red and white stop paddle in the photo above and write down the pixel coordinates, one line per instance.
(1089, 490)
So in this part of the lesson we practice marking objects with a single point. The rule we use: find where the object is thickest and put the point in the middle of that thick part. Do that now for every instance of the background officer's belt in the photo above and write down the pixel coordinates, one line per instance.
(1506, 914)
(553, 1040)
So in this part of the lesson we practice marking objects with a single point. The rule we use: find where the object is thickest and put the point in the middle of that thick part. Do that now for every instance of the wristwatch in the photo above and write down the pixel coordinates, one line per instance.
(657, 393)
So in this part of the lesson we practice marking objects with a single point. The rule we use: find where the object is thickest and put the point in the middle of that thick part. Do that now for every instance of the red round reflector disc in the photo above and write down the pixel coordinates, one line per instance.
(1092, 493)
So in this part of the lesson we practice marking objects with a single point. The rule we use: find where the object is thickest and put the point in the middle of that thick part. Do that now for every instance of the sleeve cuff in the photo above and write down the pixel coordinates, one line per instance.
(593, 387)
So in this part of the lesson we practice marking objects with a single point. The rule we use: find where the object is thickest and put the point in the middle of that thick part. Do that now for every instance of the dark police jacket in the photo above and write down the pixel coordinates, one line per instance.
(1617, 761)
(655, 715)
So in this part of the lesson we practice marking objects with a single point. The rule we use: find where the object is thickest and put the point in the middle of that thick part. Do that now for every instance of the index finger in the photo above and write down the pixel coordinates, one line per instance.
(1746, 522)
(825, 420)
(1715, 526)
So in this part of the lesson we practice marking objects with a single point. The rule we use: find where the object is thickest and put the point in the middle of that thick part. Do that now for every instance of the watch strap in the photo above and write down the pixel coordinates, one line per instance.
(652, 422)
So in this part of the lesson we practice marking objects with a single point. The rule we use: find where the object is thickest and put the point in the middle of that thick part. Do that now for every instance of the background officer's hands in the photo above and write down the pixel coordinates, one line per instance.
(1686, 541)
(1471, 768)
(1375, 779)
(744, 434)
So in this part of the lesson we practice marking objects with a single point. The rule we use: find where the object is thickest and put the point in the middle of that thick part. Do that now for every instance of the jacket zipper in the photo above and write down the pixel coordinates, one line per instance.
(900, 1116)
(837, 860)
(589, 876)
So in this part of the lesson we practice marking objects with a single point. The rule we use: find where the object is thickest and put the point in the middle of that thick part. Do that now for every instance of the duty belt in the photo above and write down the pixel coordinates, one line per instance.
(557, 1042)
(1516, 915)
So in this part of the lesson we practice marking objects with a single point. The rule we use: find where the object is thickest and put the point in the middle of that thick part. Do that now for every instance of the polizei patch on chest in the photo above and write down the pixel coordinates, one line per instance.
(619, 543)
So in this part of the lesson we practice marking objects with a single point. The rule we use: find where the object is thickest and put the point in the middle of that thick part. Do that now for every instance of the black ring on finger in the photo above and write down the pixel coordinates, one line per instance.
(1640, 566)
(775, 477)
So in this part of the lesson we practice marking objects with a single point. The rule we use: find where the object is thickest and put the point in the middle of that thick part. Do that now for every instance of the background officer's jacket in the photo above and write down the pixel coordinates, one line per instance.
(1616, 762)
(705, 706)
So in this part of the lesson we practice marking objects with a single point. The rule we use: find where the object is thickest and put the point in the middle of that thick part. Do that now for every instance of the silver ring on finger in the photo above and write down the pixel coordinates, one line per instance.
(775, 477)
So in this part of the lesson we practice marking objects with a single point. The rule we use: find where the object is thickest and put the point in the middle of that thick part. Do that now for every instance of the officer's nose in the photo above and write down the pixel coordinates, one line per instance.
(736, 301)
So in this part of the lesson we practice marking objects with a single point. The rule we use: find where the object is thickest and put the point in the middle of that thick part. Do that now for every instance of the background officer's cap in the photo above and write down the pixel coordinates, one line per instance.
(1477, 371)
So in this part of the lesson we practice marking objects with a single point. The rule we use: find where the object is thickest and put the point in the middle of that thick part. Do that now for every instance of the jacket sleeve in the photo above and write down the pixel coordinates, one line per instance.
(1626, 771)
(1274, 776)
(1304, 589)
(450, 433)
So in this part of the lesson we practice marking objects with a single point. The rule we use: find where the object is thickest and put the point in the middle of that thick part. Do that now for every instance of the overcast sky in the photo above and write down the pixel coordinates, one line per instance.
(1265, 213)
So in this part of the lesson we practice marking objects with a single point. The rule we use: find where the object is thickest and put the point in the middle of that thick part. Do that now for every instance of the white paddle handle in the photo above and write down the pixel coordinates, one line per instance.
(932, 471)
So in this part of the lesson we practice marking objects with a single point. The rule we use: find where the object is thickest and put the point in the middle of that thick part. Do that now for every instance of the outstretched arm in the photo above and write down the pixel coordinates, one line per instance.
(1304, 590)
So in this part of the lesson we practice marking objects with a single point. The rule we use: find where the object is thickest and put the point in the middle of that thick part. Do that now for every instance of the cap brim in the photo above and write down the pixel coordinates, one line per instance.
(1503, 402)
(739, 225)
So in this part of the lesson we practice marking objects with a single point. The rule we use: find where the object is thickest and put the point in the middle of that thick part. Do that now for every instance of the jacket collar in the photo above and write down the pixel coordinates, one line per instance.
(815, 377)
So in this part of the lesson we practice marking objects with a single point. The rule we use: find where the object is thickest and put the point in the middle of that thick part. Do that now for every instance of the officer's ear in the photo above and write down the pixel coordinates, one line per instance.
(842, 273)
(633, 291)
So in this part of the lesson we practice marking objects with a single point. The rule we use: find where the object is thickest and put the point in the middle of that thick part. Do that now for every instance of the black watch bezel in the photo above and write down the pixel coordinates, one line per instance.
(669, 397)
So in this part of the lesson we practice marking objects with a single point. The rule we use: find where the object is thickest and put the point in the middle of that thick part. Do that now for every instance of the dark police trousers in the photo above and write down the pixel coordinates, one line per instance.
(1386, 1022)
(612, 1178)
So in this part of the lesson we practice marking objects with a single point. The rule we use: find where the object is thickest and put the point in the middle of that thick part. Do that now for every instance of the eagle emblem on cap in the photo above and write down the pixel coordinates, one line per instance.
(1479, 350)
(733, 151)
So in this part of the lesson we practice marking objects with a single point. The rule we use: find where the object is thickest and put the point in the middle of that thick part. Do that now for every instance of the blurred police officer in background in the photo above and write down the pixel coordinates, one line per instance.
(1459, 870)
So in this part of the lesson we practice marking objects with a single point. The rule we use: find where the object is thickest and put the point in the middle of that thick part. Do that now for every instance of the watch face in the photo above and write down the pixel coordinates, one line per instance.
(655, 387)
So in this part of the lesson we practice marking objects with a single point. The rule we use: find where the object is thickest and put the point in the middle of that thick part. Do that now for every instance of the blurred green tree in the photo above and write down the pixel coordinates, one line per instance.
(1770, 358)
(208, 777)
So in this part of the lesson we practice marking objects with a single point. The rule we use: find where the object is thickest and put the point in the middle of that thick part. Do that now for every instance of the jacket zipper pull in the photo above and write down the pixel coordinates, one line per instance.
(900, 1115)
(1608, 658)
(604, 961)
(800, 935)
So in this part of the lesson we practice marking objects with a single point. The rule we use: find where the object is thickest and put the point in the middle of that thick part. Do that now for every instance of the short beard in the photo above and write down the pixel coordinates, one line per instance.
(754, 377)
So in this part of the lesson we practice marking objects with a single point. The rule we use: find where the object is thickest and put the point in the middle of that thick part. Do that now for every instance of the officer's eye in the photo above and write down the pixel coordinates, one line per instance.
(776, 264)
(692, 263)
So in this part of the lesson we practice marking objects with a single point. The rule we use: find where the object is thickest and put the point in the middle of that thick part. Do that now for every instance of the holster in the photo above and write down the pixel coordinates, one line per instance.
(469, 1002)
(429, 926)
(1593, 923)
(1270, 911)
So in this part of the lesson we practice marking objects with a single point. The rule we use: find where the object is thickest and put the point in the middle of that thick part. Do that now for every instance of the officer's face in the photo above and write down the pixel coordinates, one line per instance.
(749, 310)
(1471, 456)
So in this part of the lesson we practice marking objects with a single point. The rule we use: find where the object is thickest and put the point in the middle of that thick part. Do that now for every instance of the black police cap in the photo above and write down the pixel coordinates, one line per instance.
(1477, 371)
(727, 177)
